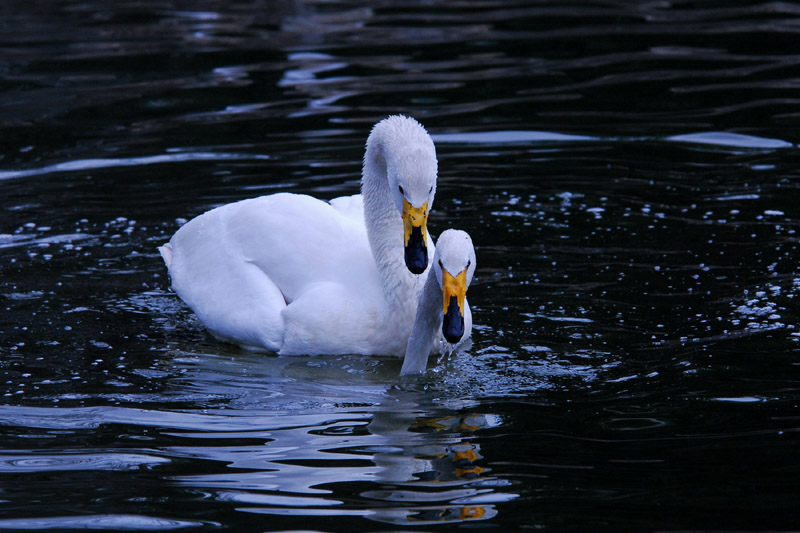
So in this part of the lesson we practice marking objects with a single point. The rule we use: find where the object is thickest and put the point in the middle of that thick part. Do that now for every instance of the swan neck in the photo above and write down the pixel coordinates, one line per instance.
(384, 223)
(375, 182)
(426, 325)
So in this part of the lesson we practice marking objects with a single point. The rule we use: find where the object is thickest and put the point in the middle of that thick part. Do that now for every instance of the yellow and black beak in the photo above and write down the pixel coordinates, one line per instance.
(454, 291)
(415, 222)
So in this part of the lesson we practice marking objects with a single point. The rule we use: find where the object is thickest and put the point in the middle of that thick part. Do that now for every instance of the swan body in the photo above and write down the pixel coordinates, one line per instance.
(296, 275)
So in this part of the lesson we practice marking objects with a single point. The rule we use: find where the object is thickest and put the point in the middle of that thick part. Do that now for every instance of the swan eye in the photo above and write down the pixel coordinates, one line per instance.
(430, 190)
(441, 265)
(401, 190)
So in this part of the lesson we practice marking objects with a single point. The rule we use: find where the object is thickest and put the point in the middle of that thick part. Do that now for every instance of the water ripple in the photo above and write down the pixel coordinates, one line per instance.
(93, 164)
(18, 462)
(717, 138)
(117, 522)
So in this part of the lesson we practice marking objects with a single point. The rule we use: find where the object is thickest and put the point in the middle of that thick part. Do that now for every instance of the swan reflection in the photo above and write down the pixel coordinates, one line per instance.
(429, 470)
(411, 459)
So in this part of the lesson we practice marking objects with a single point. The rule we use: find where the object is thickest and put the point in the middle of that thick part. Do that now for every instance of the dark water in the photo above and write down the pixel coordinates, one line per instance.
(629, 174)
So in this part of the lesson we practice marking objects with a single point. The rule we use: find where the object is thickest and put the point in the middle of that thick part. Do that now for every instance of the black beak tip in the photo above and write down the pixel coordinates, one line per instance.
(416, 265)
(453, 323)
(452, 339)
(416, 253)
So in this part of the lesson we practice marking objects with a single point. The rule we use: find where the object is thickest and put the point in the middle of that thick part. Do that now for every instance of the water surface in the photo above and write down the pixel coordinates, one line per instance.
(628, 173)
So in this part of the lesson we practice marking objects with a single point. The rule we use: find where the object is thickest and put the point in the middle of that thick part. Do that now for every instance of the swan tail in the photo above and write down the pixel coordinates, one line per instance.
(166, 253)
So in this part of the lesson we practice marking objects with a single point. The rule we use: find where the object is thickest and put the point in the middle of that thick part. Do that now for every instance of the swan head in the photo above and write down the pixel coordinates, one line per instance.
(454, 265)
(411, 170)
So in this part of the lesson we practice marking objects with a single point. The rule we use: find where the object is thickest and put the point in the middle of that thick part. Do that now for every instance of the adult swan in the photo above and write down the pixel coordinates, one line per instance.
(297, 275)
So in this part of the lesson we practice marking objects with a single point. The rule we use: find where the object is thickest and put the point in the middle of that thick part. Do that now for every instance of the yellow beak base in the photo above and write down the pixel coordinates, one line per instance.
(454, 292)
(415, 217)
(415, 223)
(454, 287)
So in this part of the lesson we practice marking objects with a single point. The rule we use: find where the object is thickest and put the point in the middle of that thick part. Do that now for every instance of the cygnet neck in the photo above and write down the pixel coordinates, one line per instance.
(427, 323)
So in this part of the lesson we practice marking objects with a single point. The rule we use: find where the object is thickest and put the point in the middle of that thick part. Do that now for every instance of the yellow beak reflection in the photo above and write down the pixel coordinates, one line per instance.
(415, 224)
(454, 292)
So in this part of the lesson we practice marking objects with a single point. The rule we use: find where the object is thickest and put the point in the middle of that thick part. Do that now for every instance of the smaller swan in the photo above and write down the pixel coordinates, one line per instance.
(442, 302)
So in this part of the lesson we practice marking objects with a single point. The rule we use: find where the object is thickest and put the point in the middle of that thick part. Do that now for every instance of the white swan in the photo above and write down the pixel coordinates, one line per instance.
(296, 275)
(442, 302)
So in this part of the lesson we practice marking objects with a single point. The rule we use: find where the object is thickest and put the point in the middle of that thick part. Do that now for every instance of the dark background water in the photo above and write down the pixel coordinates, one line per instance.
(628, 172)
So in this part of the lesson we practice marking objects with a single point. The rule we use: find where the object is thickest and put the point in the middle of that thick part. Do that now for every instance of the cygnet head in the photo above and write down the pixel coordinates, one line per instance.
(411, 170)
(454, 265)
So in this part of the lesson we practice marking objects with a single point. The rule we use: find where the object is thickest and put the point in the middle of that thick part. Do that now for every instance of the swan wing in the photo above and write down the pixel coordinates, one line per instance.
(240, 265)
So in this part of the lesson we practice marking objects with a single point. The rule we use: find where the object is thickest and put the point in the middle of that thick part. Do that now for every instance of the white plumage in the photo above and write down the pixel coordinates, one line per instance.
(297, 275)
